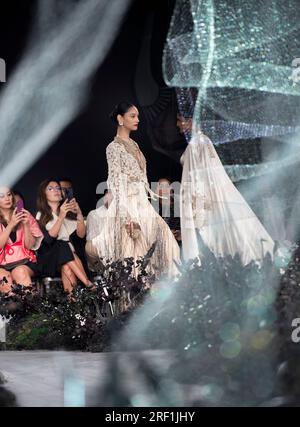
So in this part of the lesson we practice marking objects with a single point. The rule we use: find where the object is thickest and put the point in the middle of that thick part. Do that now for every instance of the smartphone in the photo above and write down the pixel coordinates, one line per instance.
(69, 195)
(19, 205)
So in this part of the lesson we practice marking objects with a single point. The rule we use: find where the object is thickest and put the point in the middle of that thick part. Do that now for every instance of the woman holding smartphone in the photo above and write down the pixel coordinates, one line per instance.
(20, 237)
(59, 220)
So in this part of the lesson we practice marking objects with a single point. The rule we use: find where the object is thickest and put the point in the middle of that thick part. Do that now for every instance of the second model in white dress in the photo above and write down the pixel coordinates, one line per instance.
(212, 206)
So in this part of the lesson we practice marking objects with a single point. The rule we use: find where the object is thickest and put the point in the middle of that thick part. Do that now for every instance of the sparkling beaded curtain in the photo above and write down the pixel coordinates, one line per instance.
(233, 66)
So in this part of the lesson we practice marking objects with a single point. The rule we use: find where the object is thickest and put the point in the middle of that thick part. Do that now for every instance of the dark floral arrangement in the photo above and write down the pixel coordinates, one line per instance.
(81, 320)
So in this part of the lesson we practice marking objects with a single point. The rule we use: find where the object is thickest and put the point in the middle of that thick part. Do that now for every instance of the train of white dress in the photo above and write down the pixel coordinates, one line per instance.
(212, 206)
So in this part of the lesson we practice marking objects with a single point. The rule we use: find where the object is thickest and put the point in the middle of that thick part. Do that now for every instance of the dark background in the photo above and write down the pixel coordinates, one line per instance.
(79, 151)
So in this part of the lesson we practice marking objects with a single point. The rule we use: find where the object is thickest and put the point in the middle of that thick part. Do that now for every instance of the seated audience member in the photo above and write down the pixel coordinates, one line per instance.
(68, 192)
(93, 228)
(167, 208)
(20, 237)
(57, 254)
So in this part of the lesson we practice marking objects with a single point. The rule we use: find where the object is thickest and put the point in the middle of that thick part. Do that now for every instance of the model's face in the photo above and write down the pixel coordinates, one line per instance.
(6, 198)
(184, 124)
(53, 192)
(130, 119)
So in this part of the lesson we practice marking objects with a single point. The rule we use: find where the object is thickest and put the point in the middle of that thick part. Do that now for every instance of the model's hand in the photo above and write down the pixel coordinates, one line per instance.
(131, 227)
(128, 227)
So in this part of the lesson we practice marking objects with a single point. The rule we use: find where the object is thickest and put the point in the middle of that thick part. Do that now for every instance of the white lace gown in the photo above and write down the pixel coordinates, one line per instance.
(211, 204)
(128, 183)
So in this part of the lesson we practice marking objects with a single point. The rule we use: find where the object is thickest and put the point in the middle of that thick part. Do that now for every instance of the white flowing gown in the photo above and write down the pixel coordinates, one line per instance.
(211, 204)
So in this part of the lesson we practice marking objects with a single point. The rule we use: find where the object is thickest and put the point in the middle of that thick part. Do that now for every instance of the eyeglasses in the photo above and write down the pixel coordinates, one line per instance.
(57, 188)
(2, 195)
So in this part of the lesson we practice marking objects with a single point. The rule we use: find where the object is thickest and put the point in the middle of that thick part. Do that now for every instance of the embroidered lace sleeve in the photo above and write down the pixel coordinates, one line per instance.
(113, 155)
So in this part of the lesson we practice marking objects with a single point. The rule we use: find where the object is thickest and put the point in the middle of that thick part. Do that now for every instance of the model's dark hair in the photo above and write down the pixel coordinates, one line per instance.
(121, 109)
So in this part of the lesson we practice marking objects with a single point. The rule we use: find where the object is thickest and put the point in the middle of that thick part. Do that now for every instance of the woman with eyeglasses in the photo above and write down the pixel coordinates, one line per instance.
(60, 219)
(20, 237)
